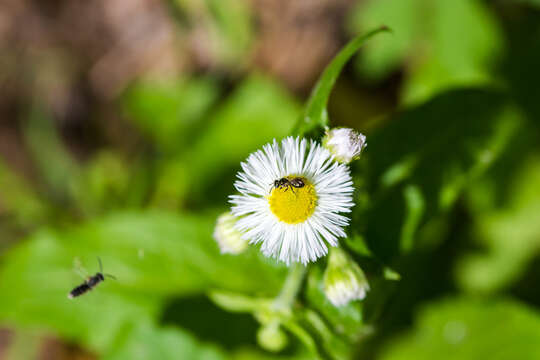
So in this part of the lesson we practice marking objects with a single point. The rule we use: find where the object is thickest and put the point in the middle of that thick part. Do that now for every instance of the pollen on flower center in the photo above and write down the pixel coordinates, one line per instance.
(291, 204)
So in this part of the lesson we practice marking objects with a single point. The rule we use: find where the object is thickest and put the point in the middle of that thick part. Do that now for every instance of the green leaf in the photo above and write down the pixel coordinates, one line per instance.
(440, 44)
(470, 329)
(391, 274)
(439, 147)
(315, 116)
(35, 280)
(148, 342)
(463, 52)
(152, 254)
(509, 235)
(384, 55)
(414, 204)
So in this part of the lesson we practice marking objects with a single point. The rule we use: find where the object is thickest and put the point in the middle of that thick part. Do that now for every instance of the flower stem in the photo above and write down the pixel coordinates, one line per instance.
(291, 287)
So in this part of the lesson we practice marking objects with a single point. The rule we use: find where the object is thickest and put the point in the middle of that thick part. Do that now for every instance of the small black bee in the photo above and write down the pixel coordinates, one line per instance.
(286, 183)
(90, 283)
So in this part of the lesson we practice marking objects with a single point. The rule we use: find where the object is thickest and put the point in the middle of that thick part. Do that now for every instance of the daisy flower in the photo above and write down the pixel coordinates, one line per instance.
(292, 196)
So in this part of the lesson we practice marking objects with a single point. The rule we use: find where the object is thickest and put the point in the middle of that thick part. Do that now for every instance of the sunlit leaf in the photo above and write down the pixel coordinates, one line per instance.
(151, 254)
(470, 329)
(510, 235)
(440, 44)
(144, 341)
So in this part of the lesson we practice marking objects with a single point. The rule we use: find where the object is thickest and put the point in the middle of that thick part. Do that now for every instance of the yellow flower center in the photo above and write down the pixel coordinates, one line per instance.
(291, 204)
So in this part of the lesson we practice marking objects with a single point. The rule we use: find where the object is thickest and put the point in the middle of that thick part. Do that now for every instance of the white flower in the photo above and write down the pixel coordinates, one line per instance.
(345, 144)
(294, 221)
(228, 238)
(343, 279)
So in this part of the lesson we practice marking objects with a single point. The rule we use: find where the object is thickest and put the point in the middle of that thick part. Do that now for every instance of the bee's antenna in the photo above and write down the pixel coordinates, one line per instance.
(100, 265)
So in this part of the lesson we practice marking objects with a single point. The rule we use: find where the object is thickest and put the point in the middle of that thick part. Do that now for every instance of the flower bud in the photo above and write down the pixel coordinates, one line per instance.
(344, 143)
(271, 337)
(343, 279)
(228, 238)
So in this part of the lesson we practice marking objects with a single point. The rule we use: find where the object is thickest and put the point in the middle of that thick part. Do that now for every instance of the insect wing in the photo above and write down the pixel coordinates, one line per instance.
(79, 269)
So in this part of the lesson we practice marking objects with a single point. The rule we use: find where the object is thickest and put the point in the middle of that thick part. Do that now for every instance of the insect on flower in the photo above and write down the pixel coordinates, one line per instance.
(286, 183)
(296, 225)
(90, 282)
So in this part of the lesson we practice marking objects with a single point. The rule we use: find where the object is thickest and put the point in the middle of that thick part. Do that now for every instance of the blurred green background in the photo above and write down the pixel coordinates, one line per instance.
(123, 124)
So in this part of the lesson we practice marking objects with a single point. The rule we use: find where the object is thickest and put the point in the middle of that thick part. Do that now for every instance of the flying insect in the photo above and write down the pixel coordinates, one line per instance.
(90, 283)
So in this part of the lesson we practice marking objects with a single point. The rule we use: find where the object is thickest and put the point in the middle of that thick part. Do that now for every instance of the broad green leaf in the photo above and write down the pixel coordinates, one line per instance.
(469, 329)
(147, 342)
(315, 116)
(163, 253)
(384, 55)
(152, 254)
(442, 44)
(463, 51)
(35, 279)
(421, 162)
(510, 235)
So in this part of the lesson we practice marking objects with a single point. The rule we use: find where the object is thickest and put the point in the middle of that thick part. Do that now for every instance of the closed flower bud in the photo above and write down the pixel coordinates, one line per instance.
(228, 238)
(343, 280)
(344, 143)
(271, 337)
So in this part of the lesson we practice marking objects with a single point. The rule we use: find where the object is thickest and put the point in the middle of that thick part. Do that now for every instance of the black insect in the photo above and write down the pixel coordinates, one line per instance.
(90, 282)
(296, 182)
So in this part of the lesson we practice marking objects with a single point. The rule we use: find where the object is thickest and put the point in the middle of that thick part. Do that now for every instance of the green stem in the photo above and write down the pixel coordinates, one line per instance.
(291, 287)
